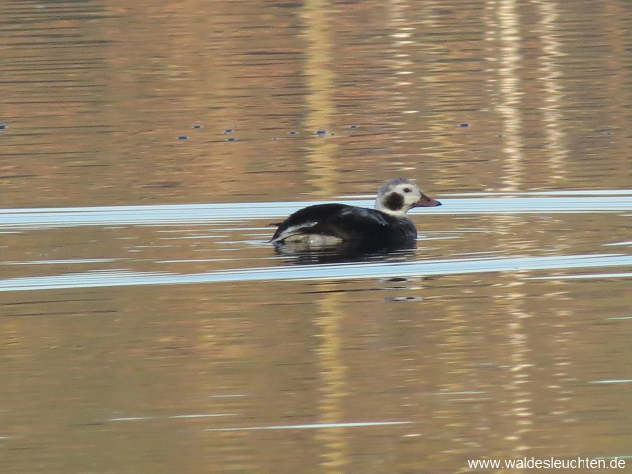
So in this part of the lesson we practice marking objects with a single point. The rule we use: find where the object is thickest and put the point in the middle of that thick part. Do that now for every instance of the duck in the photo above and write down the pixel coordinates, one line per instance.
(325, 226)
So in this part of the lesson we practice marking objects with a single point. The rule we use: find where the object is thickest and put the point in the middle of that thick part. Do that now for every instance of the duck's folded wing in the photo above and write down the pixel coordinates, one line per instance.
(305, 220)
(340, 220)
(358, 223)
(284, 231)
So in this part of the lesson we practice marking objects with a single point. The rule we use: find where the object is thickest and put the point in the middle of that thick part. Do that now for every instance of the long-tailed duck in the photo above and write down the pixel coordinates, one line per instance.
(330, 225)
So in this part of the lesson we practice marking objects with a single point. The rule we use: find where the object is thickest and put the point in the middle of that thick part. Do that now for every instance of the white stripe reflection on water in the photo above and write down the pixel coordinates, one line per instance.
(229, 395)
(63, 262)
(341, 271)
(183, 214)
(581, 276)
(611, 381)
(312, 426)
(589, 192)
(172, 417)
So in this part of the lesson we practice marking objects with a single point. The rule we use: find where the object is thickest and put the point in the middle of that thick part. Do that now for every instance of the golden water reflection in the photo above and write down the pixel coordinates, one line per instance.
(117, 103)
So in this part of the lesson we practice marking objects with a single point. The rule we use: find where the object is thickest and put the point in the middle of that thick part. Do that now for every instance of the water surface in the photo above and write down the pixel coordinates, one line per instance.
(148, 326)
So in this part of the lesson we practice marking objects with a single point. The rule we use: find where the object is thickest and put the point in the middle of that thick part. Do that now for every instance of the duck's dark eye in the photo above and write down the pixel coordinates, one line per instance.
(407, 190)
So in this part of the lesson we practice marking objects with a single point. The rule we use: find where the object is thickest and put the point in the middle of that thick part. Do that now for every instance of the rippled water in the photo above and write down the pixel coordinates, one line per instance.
(148, 325)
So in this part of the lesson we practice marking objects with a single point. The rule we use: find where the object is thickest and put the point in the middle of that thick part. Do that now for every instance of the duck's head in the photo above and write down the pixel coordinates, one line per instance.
(399, 195)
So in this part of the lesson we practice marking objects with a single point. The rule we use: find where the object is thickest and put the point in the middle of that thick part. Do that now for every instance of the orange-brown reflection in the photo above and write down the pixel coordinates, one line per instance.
(510, 93)
(552, 115)
(333, 379)
(320, 83)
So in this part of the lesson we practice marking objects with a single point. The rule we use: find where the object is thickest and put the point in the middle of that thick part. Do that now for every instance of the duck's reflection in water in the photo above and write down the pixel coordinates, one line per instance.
(346, 252)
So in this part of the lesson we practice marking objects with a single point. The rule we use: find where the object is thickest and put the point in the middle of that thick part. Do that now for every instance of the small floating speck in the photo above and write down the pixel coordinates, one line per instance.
(231, 139)
(321, 132)
(227, 131)
(292, 132)
(3, 126)
(332, 134)
(403, 298)
(197, 126)
(183, 137)
(275, 138)
(353, 127)
(500, 135)
(464, 125)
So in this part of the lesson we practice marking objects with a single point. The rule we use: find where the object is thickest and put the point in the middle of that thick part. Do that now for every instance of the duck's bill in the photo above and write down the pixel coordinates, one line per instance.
(426, 201)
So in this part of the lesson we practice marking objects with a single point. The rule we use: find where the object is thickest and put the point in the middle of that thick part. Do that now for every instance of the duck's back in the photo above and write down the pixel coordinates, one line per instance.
(349, 224)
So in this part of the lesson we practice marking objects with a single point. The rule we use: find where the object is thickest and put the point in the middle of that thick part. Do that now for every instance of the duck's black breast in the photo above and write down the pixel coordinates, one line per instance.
(363, 226)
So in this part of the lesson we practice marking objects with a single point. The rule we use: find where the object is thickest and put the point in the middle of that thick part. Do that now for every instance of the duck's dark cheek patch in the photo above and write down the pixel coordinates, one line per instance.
(394, 201)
